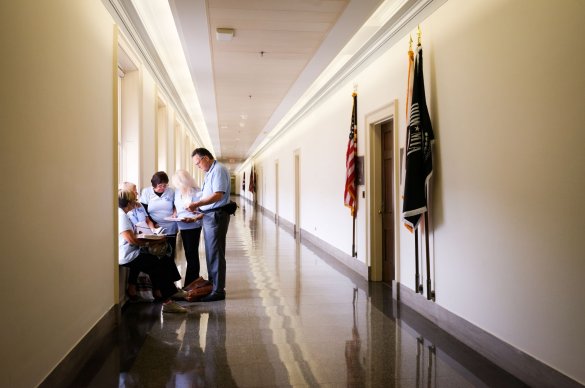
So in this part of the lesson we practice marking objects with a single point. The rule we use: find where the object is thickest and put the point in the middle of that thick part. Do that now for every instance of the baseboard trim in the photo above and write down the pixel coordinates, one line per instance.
(267, 213)
(286, 225)
(525, 367)
(313, 241)
(354, 264)
(66, 371)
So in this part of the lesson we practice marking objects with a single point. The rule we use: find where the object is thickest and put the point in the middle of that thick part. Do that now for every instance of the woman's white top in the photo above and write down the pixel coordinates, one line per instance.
(181, 202)
(160, 207)
(126, 251)
(138, 214)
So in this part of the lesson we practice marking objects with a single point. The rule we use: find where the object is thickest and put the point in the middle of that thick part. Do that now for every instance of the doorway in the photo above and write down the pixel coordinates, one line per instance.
(297, 225)
(382, 194)
(387, 209)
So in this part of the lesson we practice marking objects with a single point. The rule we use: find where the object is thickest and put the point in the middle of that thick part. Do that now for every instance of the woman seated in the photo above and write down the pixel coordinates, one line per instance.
(142, 223)
(138, 212)
(132, 256)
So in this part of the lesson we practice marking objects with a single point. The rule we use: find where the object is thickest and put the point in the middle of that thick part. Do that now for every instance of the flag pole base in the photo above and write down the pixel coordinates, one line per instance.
(418, 285)
(430, 291)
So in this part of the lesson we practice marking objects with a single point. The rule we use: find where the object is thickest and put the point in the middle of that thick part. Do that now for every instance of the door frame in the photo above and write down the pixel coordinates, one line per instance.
(276, 193)
(297, 188)
(374, 189)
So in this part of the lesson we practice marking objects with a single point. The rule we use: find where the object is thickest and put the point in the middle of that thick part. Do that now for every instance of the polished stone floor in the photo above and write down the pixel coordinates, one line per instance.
(292, 317)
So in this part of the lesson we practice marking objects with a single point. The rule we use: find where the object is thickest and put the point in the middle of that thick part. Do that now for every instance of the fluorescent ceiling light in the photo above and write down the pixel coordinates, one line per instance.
(224, 33)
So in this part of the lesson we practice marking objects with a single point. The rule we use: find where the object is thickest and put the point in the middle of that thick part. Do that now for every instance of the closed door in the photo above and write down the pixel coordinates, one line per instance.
(387, 210)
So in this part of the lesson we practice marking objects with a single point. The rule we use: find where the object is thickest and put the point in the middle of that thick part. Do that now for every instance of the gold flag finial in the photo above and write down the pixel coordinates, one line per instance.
(419, 34)
(410, 43)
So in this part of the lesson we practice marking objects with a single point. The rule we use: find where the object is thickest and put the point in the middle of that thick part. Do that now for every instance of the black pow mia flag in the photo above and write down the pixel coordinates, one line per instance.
(419, 155)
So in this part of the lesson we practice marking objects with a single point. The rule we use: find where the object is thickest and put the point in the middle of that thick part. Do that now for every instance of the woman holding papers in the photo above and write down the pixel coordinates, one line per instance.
(161, 272)
(158, 201)
(138, 214)
(186, 191)
(142, 224)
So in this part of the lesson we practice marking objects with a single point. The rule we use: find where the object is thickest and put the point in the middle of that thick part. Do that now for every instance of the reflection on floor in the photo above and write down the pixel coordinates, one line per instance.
(292, 317)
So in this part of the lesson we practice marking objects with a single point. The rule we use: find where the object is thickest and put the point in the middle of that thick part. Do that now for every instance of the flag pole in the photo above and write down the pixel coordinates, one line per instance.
(419, 287)
(355, 175)
(353, 252)
(430, 291)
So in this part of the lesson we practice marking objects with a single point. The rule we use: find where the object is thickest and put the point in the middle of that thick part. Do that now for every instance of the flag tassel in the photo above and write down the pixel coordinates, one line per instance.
(430, 291)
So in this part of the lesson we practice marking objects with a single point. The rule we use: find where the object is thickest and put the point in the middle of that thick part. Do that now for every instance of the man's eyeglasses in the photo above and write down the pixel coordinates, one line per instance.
(198, 160)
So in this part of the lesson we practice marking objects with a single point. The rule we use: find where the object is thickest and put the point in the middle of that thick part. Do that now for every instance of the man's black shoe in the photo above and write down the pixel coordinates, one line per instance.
(214, 296)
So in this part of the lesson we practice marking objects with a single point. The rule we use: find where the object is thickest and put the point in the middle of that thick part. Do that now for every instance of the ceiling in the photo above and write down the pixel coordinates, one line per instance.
(272, 44)
(242, 88)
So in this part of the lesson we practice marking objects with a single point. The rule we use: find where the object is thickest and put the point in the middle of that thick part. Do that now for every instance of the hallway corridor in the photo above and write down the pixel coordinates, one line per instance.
(292, 317)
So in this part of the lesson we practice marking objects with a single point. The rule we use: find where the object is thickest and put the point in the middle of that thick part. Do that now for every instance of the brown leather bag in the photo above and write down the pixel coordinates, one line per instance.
(197, 289)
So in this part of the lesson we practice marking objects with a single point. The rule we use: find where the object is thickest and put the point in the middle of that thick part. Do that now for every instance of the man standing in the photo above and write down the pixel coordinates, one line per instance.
(215, 194)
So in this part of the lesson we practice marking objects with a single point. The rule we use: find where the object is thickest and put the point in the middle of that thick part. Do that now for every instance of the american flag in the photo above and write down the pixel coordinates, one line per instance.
(350, 161)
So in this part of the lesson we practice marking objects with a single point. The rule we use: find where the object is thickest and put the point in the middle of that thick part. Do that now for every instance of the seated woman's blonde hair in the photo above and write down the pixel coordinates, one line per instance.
(126, 186)
(125, 197)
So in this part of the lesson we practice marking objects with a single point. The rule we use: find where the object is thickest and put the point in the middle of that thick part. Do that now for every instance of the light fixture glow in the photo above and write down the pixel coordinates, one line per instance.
(225, 34)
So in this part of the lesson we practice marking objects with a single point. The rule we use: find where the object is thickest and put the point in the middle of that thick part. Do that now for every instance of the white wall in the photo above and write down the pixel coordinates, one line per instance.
(148, 128)
(162, 128)
(511, 171)
(505, 89)
(131, 124)
(58, 154)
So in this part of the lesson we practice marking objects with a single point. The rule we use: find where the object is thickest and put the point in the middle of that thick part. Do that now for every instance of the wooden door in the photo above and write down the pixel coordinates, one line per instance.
(388, 202)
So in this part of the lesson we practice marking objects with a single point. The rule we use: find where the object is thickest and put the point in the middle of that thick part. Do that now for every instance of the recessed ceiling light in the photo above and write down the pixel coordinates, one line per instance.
(242, 124)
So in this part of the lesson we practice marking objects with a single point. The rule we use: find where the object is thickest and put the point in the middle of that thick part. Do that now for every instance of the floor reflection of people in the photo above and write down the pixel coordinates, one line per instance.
(201, 358)
(355, 370)
(188, 367)
(134, 328)
(154, 365)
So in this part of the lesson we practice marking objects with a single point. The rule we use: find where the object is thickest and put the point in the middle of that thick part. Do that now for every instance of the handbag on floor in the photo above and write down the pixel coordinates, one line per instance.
(197, 289)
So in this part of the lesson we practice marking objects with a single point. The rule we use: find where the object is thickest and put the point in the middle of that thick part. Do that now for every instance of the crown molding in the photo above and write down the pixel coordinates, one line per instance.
(410, 11)
(128, 21)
